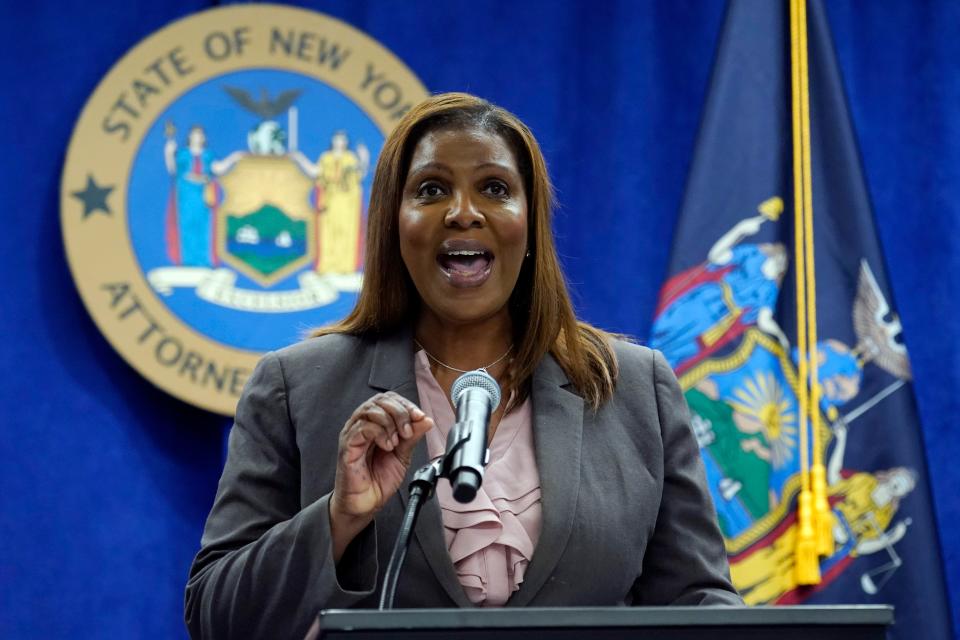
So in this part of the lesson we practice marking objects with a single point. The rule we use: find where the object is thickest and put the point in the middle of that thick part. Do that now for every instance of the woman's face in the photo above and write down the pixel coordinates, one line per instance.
(196, 137)
(463, 224)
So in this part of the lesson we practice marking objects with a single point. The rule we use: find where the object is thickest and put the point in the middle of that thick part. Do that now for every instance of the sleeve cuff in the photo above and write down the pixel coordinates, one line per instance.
(356, 573)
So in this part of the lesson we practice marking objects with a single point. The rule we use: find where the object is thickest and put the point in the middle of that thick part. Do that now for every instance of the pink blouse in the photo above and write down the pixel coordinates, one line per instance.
(491, 539)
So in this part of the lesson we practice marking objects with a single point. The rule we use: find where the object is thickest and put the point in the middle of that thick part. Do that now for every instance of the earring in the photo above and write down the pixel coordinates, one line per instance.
(528, 253)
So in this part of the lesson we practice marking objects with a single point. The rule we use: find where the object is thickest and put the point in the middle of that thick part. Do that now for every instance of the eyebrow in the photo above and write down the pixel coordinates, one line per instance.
(428, 166)
(436, 166)
(496, 165)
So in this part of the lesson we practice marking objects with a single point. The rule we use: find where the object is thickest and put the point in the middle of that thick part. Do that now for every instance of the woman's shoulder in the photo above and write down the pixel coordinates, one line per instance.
(326, 354)
(633, 358)
(639, 366)
(326, 345)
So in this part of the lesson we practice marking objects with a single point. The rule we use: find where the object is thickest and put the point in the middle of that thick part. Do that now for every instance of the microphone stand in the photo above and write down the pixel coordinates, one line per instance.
(422, 488)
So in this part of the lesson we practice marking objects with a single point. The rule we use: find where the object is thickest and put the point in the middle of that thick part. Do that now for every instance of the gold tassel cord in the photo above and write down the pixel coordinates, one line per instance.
(823, 516)
(806, 564)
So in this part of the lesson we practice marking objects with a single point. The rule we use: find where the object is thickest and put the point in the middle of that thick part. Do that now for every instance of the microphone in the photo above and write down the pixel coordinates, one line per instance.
(476, 395)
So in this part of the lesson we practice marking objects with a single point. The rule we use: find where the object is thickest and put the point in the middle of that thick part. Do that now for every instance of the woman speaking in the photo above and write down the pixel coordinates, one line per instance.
(594, 494)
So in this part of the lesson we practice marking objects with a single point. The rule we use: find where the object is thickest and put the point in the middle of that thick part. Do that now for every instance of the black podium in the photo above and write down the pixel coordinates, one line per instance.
(642, 623)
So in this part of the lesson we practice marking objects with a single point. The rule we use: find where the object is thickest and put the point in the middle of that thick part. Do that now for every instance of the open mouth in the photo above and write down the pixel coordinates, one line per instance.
(466, 263)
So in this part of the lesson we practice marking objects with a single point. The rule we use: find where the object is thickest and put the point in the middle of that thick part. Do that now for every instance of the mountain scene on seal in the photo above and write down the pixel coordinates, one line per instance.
(266, 240)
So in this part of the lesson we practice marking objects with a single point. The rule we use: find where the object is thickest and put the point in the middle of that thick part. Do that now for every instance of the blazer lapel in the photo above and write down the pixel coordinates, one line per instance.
(393, 371)
(557, 434)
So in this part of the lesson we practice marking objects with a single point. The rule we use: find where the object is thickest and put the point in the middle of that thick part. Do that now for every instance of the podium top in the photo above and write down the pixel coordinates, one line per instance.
(333, 623)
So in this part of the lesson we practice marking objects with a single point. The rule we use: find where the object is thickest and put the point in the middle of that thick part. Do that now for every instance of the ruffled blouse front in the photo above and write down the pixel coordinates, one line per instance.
(492, 538)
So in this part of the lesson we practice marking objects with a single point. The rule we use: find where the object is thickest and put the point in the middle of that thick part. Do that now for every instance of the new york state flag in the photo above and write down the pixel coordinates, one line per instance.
(727, 322)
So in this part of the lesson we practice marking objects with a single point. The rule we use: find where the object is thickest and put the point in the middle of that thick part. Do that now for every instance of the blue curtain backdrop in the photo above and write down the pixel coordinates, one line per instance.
(105, 481)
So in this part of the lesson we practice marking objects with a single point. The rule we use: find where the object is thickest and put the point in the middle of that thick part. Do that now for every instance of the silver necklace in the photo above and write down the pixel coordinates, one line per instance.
(446, 366)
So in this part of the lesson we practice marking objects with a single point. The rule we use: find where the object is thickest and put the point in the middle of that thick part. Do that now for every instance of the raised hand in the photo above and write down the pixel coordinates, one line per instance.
(376, 445)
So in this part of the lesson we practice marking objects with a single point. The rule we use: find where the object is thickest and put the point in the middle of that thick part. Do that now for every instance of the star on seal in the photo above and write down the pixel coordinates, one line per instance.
(93, 197)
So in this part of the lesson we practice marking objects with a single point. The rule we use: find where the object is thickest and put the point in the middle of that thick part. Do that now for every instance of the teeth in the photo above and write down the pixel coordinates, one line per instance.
(465, 253)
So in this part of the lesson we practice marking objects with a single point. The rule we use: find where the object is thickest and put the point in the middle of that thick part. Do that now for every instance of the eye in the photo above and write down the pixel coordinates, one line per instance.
(496, 188)
(430, 190)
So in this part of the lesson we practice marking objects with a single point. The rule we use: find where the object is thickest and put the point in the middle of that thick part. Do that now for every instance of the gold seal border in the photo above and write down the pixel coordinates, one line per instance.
(126, 310)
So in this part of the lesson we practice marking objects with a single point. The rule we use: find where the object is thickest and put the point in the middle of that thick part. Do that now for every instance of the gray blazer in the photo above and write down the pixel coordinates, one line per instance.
(627, 518)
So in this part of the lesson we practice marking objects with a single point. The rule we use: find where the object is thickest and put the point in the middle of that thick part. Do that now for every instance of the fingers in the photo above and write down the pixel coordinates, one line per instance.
(402, 411)
(390, 411)
(386, 419)
(415, 425)
(419, 427)
(375, 449)
(357, 438)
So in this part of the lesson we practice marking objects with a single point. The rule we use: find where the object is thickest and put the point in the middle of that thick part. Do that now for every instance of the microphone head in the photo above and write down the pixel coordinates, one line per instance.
(476, 379)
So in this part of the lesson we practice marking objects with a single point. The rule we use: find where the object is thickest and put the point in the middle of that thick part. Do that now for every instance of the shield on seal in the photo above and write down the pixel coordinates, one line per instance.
(266, 227)
(747, 420)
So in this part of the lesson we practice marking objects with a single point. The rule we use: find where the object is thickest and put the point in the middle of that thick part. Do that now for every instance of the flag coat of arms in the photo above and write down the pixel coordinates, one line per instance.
(727, 321)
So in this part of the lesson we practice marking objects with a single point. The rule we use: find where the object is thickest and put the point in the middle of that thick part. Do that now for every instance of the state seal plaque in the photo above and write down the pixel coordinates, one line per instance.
(213, 199)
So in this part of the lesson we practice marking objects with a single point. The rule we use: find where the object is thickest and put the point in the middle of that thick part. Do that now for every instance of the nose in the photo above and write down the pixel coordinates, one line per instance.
(463, 213)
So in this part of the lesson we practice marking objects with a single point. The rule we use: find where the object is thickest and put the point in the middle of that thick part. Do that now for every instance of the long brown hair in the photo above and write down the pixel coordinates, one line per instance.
(540, 308)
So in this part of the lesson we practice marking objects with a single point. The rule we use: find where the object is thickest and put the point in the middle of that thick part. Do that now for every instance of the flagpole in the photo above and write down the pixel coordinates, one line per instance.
(806, 564)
